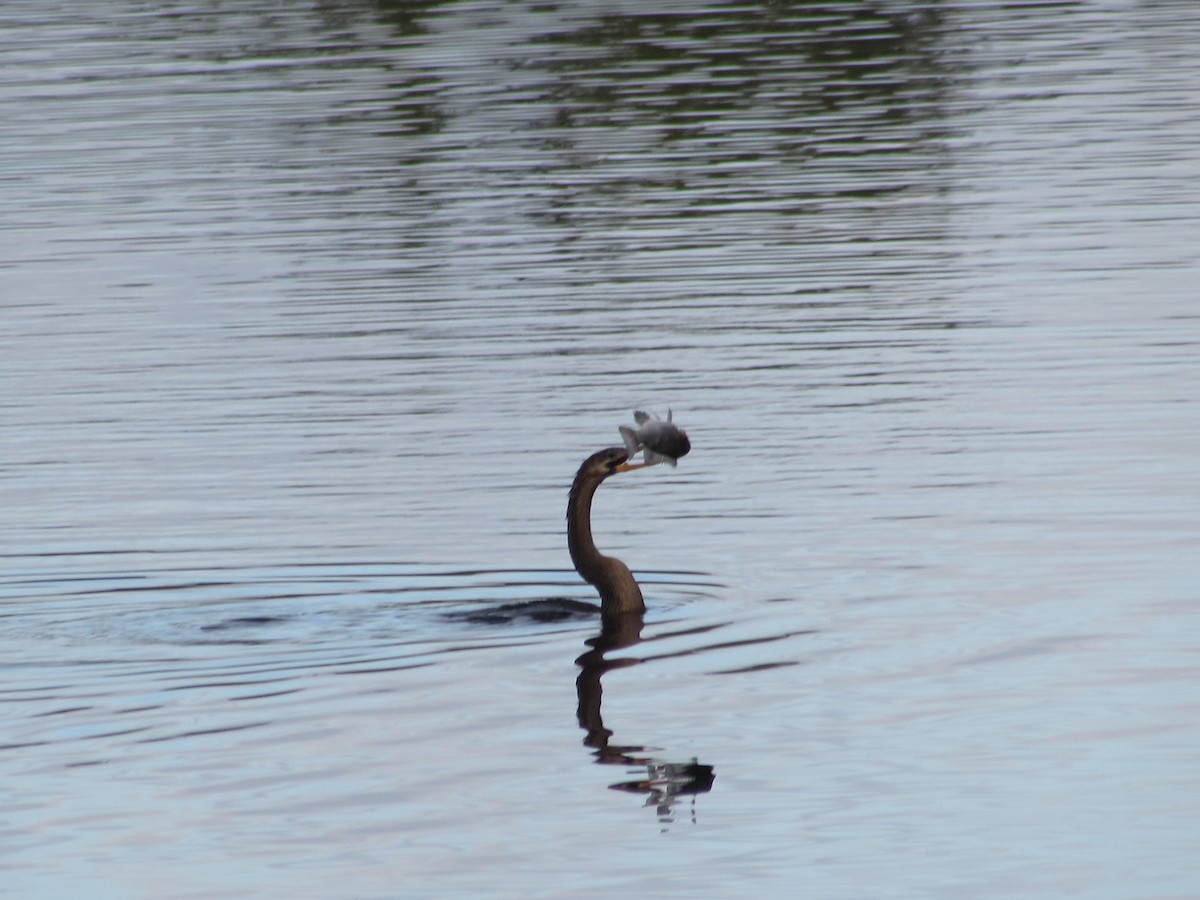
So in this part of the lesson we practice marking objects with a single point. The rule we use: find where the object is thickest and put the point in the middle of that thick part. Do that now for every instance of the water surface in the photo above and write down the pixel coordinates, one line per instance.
(310, 314)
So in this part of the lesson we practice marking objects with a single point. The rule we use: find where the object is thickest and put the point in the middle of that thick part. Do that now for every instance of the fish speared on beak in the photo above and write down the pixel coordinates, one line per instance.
(658, 441)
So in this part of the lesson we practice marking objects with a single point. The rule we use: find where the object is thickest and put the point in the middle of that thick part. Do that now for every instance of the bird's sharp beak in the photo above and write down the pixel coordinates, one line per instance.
(628, 466)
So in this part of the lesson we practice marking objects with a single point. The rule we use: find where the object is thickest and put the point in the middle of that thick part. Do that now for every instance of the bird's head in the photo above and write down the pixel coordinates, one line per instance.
(607, 462)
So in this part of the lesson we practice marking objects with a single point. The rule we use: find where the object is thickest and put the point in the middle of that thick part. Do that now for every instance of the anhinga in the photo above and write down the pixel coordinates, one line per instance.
(619, 592)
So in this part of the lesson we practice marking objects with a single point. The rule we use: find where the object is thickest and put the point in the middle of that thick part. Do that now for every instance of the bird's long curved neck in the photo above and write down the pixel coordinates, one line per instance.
(584, 555)
(619, 592)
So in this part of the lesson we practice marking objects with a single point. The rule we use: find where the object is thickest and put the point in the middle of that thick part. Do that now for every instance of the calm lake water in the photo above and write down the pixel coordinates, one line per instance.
(311, 311)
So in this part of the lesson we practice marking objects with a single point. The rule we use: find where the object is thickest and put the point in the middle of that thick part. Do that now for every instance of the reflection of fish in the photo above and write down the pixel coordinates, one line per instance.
(661, 441)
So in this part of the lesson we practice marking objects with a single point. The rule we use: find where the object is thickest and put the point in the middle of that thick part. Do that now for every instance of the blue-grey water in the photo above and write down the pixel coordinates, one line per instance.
(310, 312)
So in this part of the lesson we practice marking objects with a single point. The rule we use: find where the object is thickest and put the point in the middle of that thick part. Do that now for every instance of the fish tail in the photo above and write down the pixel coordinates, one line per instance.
(632, 444)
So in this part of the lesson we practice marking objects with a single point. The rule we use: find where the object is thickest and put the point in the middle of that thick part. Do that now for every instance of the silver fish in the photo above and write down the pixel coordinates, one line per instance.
(661, 441)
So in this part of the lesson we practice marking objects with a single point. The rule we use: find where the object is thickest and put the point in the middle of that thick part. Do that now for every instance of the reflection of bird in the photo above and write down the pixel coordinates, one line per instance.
(619, 592)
